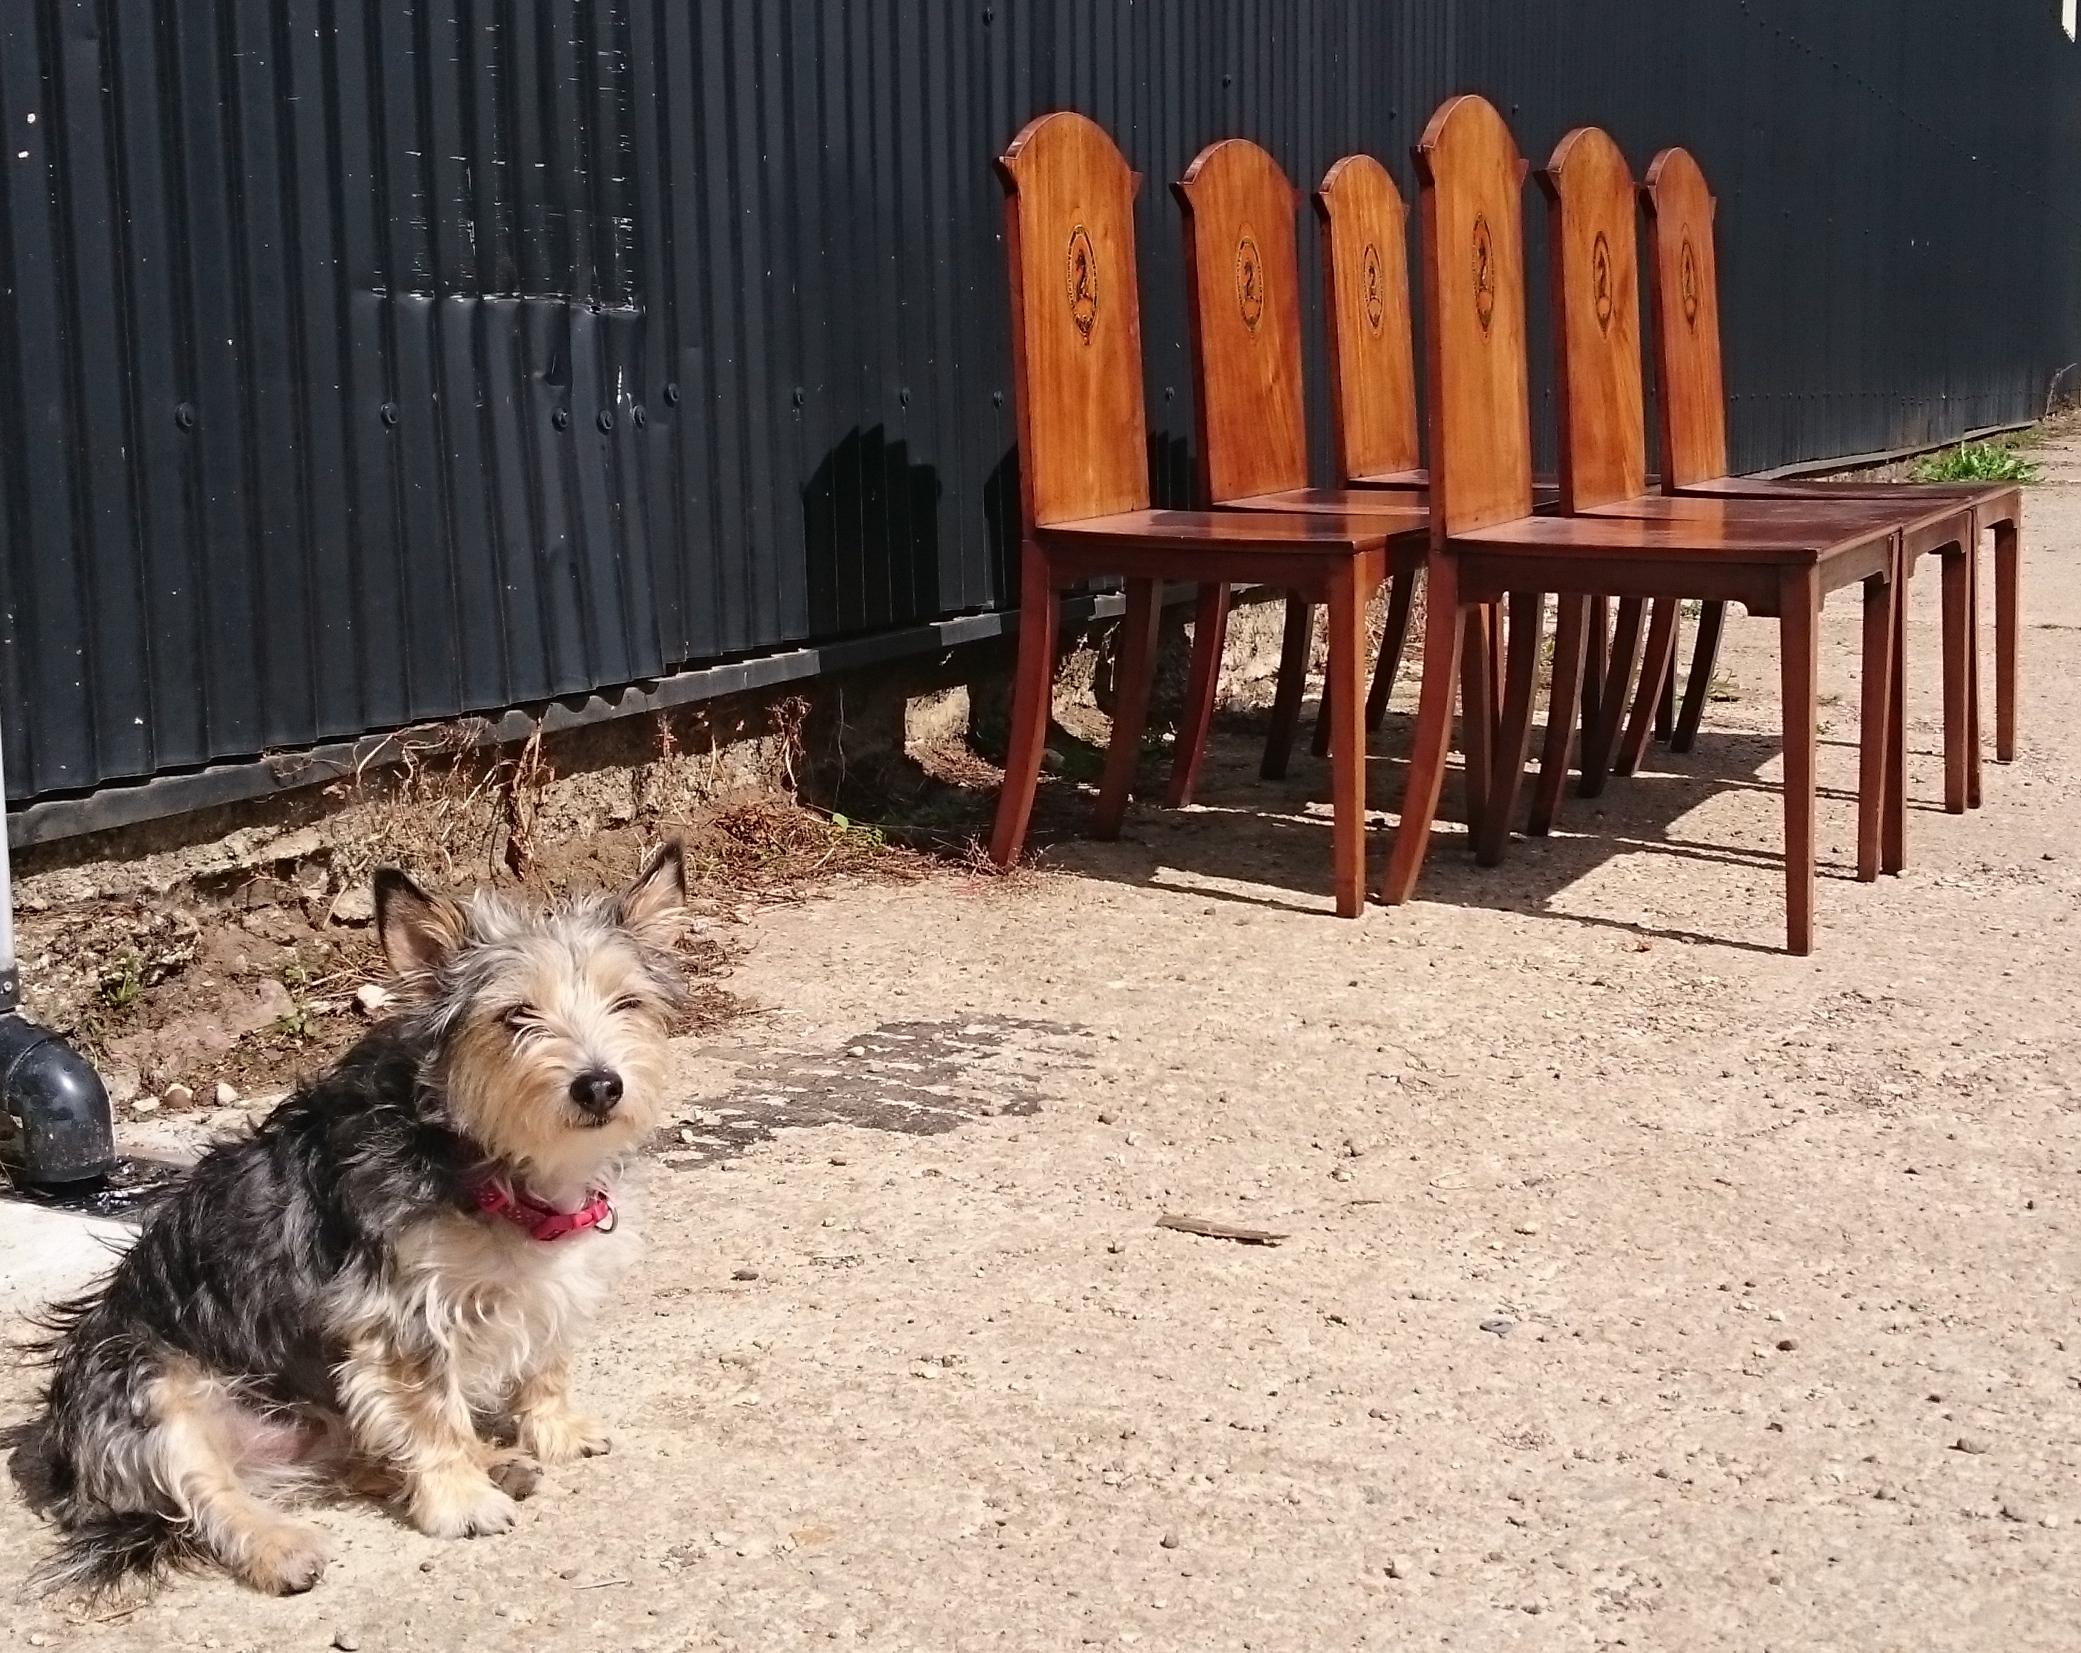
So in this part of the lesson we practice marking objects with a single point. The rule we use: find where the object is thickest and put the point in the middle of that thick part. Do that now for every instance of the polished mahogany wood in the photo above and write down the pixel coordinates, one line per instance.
(1691, 398)
(1597, 330)
(1242, 269)
(1487, 544)
(1085, 499)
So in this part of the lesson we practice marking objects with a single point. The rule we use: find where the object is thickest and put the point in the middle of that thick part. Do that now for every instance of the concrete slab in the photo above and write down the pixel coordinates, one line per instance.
(46, 1254)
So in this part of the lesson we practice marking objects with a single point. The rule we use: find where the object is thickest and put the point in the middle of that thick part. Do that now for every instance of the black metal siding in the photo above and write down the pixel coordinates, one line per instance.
(370, 361)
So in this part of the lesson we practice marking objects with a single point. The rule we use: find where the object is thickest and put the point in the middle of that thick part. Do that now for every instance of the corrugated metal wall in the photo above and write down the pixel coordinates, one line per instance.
(369, 361)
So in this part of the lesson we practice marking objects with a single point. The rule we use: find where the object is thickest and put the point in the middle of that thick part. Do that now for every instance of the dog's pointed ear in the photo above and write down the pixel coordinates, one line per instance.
(653, 906)
(420, 932)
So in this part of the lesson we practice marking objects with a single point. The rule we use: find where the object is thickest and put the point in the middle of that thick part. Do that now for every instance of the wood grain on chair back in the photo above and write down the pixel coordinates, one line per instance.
(1472, 187)
(1242, 288)
(1690, 394)
(1596, 303)
(1365, 274)
(1076, 322)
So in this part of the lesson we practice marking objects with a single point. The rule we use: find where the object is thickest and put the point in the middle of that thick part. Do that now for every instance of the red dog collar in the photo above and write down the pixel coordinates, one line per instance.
(497, 1198)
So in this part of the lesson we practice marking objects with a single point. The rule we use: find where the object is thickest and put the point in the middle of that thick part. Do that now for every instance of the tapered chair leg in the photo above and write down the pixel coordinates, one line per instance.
(1433, 743)
(2008, 635)
(1799, 601)
(1619, 671)
(1570, 648)
(1344, 694)
(1133, 676)
(1705, 660)
(1294, 647)
(1514, 737)
(1665, 707)
(1874, 724)
(1655, 666)
(1209, 634)
(1958, 647)
(1033, 688)
(1478, 648)
(1972, 676)
(1894, 835)
(1401, 597)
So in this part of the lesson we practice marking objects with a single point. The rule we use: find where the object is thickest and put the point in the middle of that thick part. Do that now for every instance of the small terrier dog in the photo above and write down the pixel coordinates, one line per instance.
(400, 1253)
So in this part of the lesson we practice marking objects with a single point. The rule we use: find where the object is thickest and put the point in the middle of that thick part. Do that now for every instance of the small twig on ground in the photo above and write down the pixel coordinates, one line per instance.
(1208, 1229)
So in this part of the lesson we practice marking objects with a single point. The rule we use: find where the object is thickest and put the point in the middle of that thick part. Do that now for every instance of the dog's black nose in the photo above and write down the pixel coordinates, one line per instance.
(597, 1090)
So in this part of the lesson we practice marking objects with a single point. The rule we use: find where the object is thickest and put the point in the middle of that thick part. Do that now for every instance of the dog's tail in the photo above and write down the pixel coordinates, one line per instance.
(103, 1555)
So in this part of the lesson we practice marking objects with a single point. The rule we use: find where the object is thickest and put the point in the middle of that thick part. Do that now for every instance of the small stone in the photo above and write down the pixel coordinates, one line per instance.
(226, 1094)
(38, 1639)
(2048, 1520)
(1528, 1228)
(426, 1566)
(122, 1084)
(1170, 1541)
(356, 905)
(745, 1274)
(838, 1159)
(1105, 1118)
(145, 1104)
(1115, 1247)
(178, 1096)
(1352, 1150)
(369, 998)
(1975, 1444)
(1393, 1568)
(346, 1641)
(686, 1136)
(1499, 1325)
(1786, 1345)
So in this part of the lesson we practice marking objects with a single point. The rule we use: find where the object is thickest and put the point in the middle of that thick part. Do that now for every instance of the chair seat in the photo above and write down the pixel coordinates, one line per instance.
(1546, 492)
(1790, 541)
(1830, 519)
(1995, 501)
(1271, 533)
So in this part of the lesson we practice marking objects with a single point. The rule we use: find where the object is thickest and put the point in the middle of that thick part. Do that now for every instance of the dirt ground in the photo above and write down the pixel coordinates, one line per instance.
(1643, 1287)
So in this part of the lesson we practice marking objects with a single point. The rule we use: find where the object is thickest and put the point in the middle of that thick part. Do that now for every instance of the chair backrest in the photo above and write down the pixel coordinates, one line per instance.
(1690, 394)
(1076, 322)
(1242, 291)
(1365, 277)
(1596, 299)
(1472, 187)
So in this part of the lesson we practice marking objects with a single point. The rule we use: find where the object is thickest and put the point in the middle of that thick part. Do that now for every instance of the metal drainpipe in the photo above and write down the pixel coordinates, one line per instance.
(55, 1122)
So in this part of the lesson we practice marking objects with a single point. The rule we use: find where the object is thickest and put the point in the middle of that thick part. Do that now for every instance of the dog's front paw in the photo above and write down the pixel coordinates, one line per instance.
(286, 1560)
(461, 1503)
(559, 1437)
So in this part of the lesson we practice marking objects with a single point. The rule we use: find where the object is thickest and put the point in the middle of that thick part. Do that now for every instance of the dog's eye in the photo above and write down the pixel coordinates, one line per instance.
(521, 1018)
(627, 1005)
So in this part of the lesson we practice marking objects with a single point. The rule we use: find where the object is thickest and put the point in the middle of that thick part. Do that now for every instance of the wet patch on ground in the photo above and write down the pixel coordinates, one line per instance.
(916, 1078)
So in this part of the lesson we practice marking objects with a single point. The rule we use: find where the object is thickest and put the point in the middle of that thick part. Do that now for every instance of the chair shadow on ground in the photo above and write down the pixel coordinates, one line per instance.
(1274, 836)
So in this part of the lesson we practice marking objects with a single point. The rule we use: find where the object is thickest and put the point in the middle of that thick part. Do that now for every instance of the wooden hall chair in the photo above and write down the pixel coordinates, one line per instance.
(1242, 279)
(1487, 543)
(1374, 426)
(1084, 488)
(1596, 311)
(1693, 415)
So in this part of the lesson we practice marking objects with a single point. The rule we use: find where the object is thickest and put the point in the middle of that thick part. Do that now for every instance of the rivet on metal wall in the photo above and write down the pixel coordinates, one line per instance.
(800, 396)
(606, 419)
(672, 394)
(903, 397)
(561, 418)
(387, 413)
(997, 398)
(184, 415)
(636, 413)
